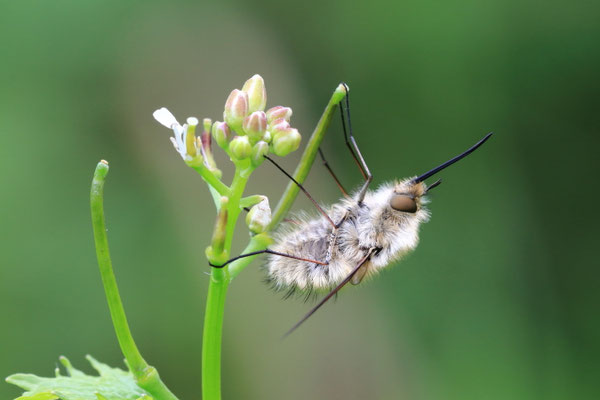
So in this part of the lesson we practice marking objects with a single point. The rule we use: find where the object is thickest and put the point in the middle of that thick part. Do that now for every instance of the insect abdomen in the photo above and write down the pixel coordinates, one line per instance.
(311, 241)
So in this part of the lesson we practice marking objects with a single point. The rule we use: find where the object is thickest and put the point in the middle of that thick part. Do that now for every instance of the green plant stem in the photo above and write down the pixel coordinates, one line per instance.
(210, 178)
(308, 157)
(145, 375)
(217, 289)
(211, 340)
(243, 169)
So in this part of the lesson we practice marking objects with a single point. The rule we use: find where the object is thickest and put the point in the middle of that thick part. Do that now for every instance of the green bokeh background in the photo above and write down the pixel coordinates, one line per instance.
(500, 300)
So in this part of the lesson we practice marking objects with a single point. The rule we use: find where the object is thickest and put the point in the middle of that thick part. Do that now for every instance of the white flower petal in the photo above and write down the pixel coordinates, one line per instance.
(174, 143)
(178, 132)
(164, 116)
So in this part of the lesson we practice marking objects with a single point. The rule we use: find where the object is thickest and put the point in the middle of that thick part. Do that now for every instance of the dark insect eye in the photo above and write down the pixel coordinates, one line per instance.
(402, 202)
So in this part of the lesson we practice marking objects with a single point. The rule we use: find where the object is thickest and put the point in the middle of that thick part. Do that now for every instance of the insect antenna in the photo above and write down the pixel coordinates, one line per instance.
(332, 293)
(452, 160)
(354, 150)
(433, 185)
(304, 190)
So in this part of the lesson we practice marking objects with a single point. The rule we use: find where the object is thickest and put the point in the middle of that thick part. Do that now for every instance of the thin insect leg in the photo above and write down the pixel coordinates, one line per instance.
(304, 190)
(333, 292)
(355, 151)
(332, 240)
(337, 181)
(267, 251)
(346, 134)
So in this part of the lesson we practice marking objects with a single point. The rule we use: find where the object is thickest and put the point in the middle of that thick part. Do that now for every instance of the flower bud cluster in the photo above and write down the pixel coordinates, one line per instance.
(250, 132)
(246, 132)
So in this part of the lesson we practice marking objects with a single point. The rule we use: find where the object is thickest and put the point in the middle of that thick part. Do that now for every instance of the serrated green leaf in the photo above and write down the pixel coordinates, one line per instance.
(110, 384)
(40, 396)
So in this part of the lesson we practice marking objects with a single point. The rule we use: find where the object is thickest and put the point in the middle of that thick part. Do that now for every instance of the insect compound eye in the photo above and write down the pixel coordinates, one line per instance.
(404, 203)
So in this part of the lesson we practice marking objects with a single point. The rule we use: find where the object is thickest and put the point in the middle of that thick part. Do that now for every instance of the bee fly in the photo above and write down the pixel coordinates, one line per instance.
(355, 238)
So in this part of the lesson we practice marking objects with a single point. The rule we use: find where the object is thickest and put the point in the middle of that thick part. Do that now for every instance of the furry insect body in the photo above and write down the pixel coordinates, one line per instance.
(361, 227)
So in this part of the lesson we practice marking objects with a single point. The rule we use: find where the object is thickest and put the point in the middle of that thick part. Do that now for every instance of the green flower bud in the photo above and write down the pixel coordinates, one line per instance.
(259, 217)
(259, 151)
(255, 125)
(240, 147)
(286, 141)
(221, 133)
(236, 108)
(279, 112)
(257, 95)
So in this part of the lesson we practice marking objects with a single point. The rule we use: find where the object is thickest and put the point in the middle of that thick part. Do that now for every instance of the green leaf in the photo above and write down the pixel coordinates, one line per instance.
(111, 384)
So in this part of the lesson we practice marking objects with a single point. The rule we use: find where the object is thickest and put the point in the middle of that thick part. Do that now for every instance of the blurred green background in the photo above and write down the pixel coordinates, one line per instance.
(500, 300)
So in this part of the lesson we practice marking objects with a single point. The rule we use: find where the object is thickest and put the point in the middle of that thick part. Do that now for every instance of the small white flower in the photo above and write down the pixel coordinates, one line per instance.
(180, 134)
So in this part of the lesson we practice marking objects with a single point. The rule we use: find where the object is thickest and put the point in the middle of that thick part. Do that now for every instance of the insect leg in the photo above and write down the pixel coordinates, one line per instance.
(304, 190)
(267, 251)
(337, 181)
(333, 292)
(354, 150)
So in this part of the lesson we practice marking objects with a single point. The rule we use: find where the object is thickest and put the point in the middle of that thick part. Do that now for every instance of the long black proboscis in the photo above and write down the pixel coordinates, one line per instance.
(452, 160)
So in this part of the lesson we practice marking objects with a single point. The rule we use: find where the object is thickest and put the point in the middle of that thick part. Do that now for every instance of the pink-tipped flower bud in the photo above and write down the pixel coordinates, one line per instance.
(257, 94)
(279, 125)
(236, 108)
(255, 125)
(259, 217)
(278, 112)
(207, 123)
(286, 141)
(240, 147)
(259, 151)
(221, 133)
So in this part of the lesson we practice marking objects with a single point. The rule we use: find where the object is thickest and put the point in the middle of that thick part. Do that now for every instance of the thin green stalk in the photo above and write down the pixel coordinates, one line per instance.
(210, 178)
(243, 169)
(145, 375)
(308, 157)
(211, 340)
(217, 287)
